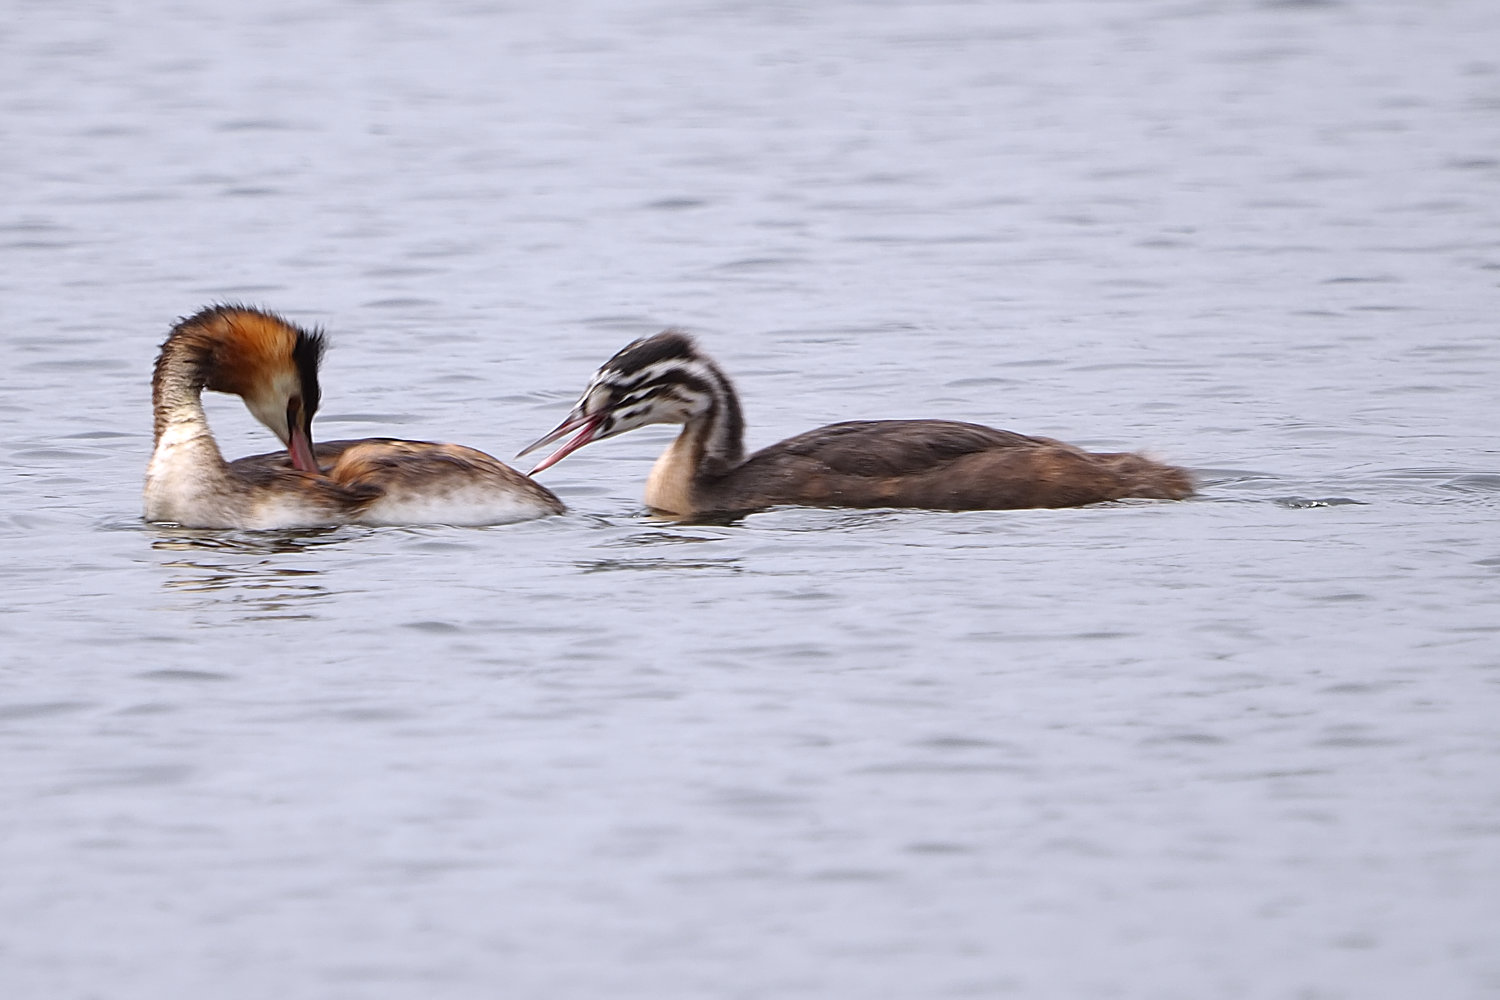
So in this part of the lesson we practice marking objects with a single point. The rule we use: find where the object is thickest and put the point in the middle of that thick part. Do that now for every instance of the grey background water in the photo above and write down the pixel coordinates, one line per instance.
(1243, 746)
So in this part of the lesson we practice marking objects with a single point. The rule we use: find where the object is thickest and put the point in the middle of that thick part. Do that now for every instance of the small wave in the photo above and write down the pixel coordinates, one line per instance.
(1303, 503)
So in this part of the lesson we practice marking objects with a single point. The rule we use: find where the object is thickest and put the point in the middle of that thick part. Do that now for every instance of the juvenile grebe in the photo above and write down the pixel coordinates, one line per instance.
(273, 365)
(934, 464)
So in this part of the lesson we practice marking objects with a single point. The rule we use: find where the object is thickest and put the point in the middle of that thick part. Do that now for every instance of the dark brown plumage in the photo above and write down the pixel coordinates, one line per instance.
(939, 465)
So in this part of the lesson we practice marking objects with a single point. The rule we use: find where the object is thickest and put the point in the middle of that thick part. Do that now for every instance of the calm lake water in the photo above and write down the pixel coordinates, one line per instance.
(1244, 746)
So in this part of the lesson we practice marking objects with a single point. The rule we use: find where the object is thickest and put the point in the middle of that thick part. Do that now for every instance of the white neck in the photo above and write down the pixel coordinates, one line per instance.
(187, 470)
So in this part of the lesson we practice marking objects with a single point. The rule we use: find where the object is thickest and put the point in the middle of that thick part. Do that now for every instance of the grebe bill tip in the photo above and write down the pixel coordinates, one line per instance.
(589, 425)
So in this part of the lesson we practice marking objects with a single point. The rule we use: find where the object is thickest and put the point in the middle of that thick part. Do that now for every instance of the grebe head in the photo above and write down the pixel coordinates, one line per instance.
(654, 380)
(268, 362)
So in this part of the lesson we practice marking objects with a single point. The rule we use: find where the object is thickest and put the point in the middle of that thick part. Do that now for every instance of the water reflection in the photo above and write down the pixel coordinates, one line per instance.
(1309, 503)
(249, 571)
(653, 539)
(663, 537)
(725, 566)
(253, 543)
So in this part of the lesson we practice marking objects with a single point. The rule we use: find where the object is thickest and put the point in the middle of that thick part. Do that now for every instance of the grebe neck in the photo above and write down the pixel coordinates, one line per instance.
(177, 398)
(714, 440)
(710, 446)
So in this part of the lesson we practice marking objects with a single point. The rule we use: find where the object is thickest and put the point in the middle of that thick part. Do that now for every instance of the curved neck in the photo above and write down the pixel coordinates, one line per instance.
(710, 447)
(715, 439)
(177, 396)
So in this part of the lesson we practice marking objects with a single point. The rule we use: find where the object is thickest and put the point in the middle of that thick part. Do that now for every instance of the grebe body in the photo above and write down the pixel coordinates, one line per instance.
(932, 464)
(423, 482)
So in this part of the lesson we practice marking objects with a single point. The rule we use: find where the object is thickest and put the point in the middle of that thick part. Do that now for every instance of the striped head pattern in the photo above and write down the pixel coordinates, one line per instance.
(655, 380)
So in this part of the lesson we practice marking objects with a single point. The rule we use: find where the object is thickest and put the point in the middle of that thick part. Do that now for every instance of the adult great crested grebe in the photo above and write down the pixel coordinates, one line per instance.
(933, 464)
(272, 365)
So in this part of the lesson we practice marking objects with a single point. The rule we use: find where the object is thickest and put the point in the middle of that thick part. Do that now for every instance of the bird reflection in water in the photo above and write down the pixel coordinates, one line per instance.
(651, 540)
(247, 571)
(725, 568)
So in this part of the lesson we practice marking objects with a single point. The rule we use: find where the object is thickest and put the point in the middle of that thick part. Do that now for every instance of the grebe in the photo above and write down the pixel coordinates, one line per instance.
(272, 365)
(933, 464)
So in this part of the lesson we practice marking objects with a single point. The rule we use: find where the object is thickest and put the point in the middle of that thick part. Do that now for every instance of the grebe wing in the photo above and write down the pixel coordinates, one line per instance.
(286, 497)
(327, 452)
(880, 448)
(945, 465)
(390, 461)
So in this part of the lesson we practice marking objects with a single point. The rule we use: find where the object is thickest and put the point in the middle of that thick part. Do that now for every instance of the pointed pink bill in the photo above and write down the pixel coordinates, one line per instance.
(300, 448)
(575, 420)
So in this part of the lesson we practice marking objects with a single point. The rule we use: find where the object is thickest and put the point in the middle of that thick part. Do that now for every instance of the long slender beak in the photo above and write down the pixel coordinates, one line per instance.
(299, 444)
(575, 420)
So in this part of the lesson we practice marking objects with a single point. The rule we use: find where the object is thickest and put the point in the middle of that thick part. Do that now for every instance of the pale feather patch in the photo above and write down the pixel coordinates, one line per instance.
(464, 506)
(286, 511)
(181, 481)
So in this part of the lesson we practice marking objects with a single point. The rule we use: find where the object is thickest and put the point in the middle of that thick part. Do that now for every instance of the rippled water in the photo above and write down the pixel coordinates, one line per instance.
(1243, 746)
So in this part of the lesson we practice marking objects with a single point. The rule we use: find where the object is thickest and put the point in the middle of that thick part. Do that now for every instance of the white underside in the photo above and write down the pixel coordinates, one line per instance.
(193, 503)
(462, 507)
(185, 483)
(288, 512)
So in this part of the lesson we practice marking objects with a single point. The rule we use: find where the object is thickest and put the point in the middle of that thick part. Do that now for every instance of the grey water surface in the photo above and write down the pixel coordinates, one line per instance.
(1245, 746)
